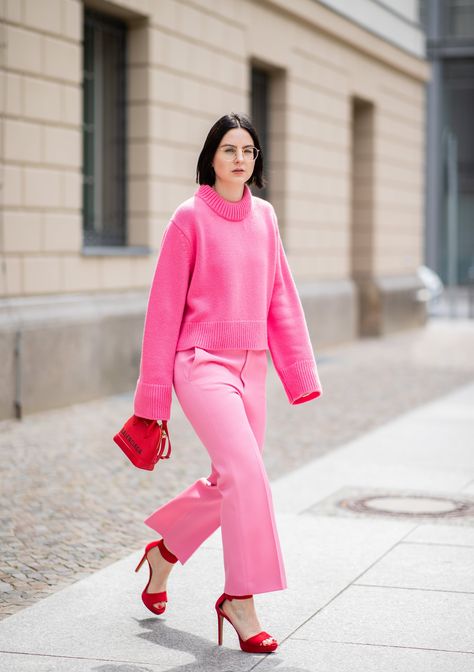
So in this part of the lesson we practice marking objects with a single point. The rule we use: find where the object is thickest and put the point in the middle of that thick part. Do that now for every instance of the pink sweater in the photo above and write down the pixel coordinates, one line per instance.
(222, 280)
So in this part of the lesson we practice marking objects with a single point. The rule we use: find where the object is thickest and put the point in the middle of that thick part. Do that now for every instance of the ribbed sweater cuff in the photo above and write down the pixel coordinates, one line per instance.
(301, 378)
(152, 401)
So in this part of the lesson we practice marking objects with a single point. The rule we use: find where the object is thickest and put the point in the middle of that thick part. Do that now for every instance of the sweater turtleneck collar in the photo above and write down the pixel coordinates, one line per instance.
(233, 210)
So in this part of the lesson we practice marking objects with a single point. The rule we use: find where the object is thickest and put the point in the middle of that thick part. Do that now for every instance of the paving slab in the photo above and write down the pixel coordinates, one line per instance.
(422, 619)
(27, 663)
(441, 534)
(296, 655)
(424, 566)
(469, 488)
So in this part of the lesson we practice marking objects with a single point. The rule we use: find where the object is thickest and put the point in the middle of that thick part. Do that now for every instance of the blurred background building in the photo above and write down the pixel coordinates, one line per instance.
(105, 106)
(449, 27)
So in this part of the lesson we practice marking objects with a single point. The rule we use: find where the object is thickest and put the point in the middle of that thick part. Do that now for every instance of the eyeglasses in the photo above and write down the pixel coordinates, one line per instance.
(229, 153)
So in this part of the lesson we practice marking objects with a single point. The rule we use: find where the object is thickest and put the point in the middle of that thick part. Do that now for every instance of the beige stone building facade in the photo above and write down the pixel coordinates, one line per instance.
(105, 106)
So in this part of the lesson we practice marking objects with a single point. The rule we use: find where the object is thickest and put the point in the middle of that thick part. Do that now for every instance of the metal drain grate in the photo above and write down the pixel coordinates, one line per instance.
(409, 506)
(401, 505)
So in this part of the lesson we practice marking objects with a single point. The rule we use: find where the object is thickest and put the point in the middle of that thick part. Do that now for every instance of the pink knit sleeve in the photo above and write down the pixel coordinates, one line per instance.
(288, 336)
(166, 301)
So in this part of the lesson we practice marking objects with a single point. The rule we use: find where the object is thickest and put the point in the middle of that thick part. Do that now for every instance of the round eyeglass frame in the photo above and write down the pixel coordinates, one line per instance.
(225, 149)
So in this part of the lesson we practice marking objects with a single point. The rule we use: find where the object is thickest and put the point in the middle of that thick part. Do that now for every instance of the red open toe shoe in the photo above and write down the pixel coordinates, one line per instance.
(150, 599)
(252, 644)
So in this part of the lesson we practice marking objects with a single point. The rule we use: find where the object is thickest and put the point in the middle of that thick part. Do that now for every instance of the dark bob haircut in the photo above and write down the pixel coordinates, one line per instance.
(205, 172)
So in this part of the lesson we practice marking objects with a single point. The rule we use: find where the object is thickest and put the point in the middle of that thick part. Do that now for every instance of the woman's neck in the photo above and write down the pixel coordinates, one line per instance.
(231, 192)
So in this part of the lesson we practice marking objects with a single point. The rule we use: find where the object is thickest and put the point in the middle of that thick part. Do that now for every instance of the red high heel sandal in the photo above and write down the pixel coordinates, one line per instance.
(149, 599)
(252, 644)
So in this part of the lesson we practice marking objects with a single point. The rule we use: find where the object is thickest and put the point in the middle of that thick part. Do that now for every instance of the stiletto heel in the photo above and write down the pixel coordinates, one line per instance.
(149, 599)
(253, 644)
(141, 562)
(220, 623)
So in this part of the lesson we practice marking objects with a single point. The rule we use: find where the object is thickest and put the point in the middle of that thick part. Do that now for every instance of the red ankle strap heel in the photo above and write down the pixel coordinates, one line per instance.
(150, 599)
(170, 557)
(253, 644)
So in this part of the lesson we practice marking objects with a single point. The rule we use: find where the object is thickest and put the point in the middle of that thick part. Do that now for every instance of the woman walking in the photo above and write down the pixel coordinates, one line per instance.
(221, 296)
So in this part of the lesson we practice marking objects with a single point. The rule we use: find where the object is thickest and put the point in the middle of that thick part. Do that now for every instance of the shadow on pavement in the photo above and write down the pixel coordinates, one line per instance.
(208, 656)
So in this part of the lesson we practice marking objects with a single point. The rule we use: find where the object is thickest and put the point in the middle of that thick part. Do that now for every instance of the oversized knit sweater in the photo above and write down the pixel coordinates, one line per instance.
(222, 281)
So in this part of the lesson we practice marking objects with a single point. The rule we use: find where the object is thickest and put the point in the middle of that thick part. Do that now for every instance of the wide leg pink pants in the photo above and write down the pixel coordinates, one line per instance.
(223, 395)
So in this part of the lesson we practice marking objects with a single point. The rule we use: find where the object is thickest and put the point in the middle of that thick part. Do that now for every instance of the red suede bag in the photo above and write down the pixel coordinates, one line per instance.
(144, 441)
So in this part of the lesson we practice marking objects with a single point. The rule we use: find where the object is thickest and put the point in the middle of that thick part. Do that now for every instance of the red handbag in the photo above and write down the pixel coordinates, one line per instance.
(144, 441)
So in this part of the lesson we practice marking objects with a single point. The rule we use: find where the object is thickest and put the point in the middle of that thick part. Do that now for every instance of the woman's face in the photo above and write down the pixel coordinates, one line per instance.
(237, 169)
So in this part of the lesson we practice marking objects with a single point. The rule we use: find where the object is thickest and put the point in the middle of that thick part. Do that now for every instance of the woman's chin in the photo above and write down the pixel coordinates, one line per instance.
(234, 177)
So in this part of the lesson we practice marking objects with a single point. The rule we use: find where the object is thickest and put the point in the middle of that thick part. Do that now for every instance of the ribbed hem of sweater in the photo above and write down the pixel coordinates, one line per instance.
(232, 334)
(301, 378)
(152, 401)
(233, 210)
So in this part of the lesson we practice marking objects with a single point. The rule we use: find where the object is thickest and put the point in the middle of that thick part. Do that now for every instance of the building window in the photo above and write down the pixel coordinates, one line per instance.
(104, 130)
(260, 115)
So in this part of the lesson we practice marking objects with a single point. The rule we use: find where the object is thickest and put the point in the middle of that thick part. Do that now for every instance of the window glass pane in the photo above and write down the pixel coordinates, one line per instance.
(259, 115)
(459, 18)
(104, 142)
(422, 15)
(458, 115)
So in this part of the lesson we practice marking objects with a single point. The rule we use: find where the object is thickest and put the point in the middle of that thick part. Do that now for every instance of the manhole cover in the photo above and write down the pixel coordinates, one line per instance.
(408, 505)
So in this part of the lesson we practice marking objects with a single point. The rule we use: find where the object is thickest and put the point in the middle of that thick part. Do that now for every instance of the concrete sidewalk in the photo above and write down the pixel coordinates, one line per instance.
(368, 591)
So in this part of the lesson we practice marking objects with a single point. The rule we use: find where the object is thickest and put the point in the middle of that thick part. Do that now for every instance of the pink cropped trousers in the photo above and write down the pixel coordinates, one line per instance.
(223, 395)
